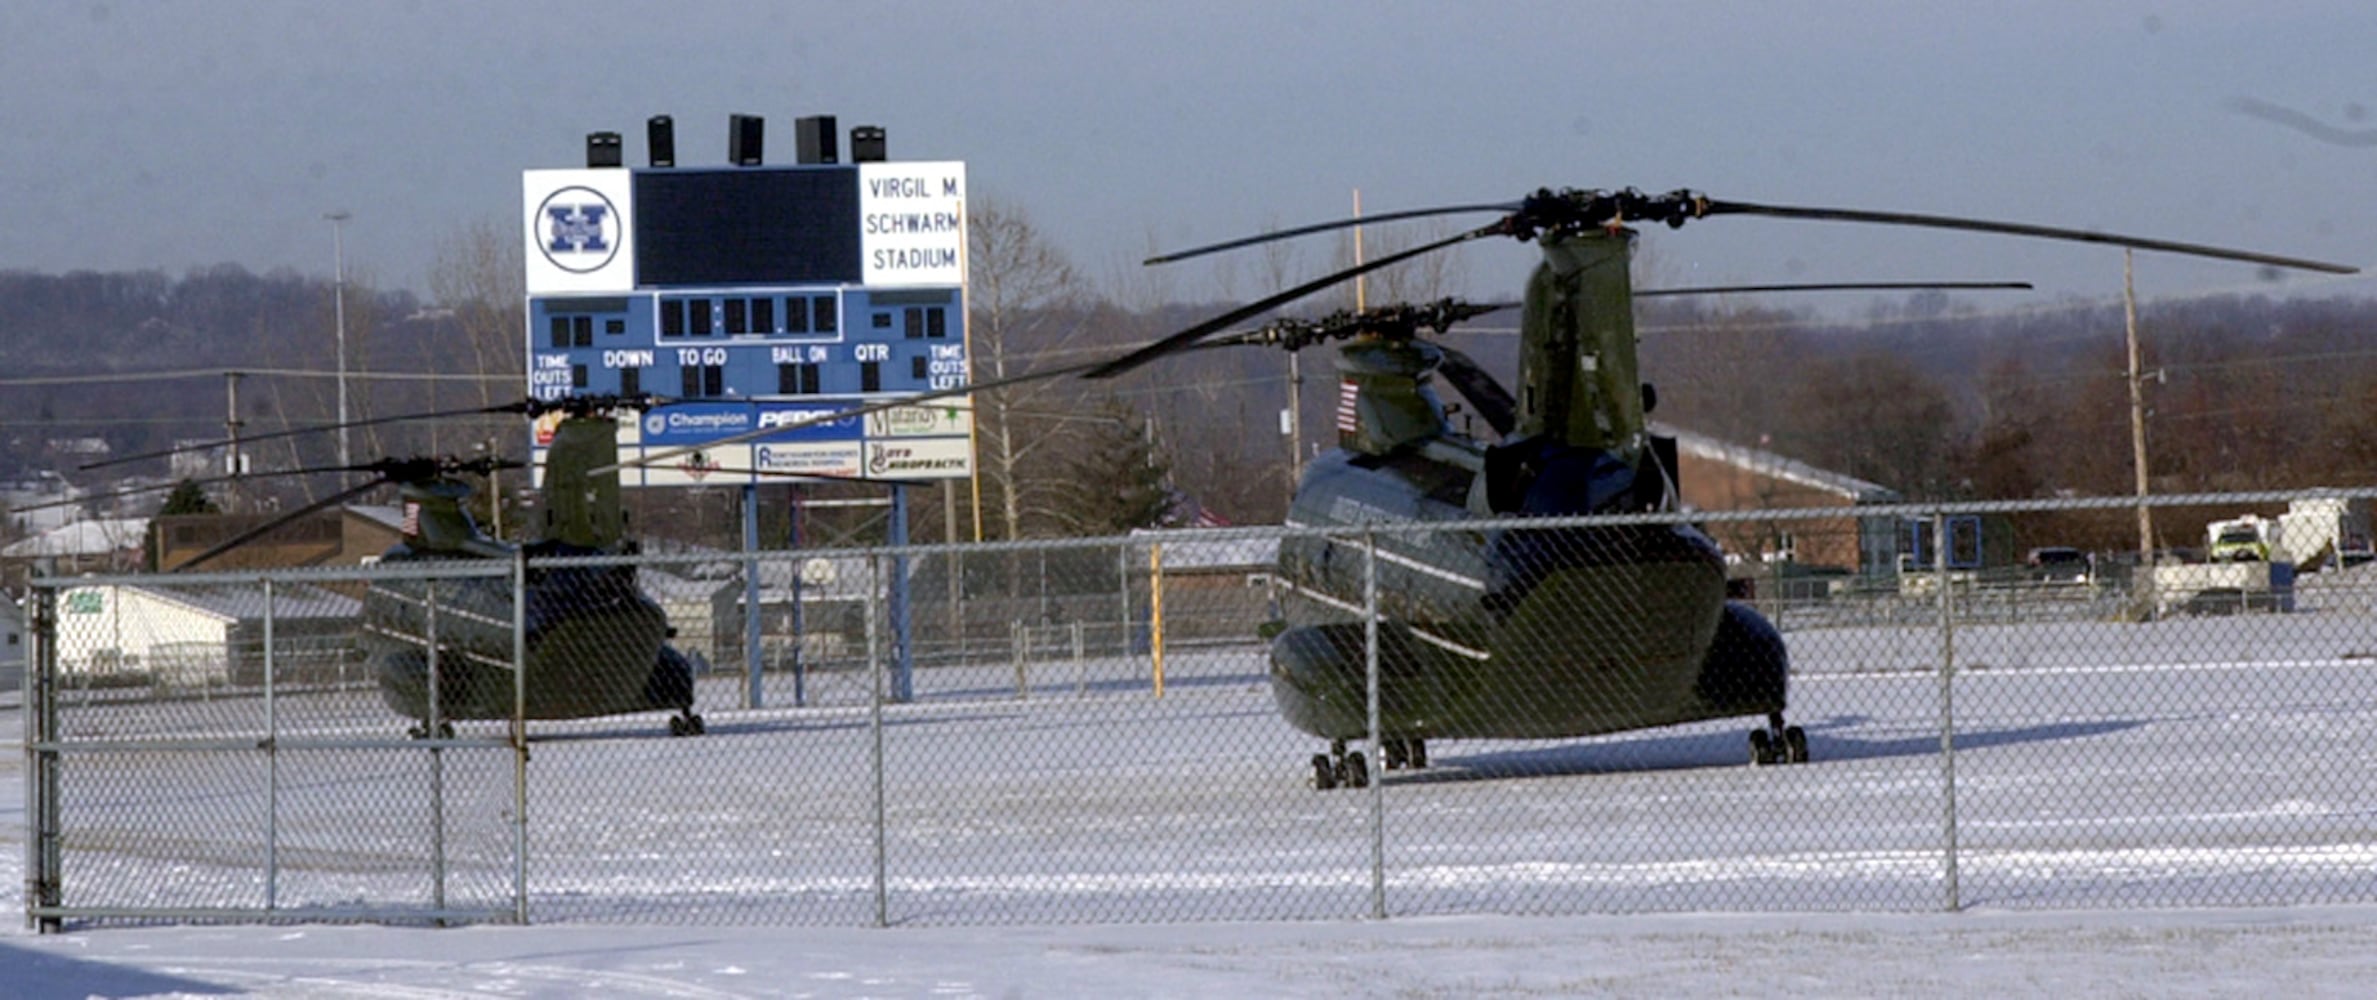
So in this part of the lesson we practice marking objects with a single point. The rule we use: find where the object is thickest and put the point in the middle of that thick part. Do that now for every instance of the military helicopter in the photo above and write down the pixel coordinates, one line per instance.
(1522, 633)
(595, 644)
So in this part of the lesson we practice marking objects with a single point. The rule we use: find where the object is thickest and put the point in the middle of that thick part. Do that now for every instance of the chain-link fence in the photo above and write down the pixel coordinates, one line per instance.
(1549, 716)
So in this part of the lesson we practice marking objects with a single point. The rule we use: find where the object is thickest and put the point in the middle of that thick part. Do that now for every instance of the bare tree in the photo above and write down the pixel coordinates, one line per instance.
(479, 283)
(1023, 298)
(478, 276)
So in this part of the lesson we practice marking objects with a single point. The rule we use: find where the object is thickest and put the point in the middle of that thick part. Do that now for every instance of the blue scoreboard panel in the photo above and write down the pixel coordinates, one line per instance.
(756, 297)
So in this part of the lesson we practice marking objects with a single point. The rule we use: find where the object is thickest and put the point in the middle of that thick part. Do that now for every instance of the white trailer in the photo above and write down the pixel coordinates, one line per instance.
(2323, 532)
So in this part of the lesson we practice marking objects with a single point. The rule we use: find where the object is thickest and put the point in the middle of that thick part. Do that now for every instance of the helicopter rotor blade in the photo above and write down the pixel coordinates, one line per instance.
(392, 467)
(1709, 207)
(270, 526)
(1837, 286)
(1322, 227)
(516, 407)
(1185, 338)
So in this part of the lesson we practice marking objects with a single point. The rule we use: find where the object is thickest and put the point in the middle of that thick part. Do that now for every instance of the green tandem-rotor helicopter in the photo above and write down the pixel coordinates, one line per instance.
(592, 642)
(1523, 633)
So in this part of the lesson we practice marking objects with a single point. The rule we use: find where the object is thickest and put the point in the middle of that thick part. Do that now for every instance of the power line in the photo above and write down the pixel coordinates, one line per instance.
(191, 373)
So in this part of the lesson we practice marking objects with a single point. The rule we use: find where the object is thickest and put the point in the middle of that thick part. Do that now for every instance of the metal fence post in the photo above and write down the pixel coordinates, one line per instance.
(272, 764)
(44, 889)
(876, 685)
(520, 735)
(1939, 530)
(1081, 656)
(1019, 642)
(1378, 782)
(432, 719)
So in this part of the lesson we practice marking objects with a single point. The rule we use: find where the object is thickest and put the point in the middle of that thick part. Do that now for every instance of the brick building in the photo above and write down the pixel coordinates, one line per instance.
(1723, 476)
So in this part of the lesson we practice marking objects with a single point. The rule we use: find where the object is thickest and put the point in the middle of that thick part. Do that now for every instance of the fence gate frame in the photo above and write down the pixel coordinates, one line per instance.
(48, 748)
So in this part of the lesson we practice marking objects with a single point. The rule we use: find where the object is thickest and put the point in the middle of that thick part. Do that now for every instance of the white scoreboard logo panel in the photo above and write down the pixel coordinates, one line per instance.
(580, 230)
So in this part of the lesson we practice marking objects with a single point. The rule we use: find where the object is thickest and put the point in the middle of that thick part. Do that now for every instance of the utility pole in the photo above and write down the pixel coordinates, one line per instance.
(2137, 414)
(231, 423)
(338, 250)
(1294, 421)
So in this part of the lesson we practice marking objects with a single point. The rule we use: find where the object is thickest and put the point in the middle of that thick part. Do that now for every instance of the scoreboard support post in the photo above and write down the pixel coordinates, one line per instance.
(903, 670)
(754, 658)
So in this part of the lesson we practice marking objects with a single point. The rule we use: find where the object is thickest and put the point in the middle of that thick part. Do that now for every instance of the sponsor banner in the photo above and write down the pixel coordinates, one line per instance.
(798, 417)
(579, 230)
(700, 468)
(920, 458)
(694, 423)
(944, 419)
(843, 458)
(912, 223)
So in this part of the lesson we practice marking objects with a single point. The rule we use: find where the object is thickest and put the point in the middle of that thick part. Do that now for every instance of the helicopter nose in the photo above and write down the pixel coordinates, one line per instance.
(1317, 678)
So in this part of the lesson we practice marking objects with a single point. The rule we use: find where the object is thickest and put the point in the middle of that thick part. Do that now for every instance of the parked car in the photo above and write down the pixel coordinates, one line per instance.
(2060, 564)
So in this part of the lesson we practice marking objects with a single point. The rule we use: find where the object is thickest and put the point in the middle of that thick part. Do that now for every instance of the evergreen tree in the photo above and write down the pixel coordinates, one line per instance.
(1117, 478)
(186, 498)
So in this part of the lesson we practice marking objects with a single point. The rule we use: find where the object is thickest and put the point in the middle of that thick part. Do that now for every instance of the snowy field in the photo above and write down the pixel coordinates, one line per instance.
(2185, 808)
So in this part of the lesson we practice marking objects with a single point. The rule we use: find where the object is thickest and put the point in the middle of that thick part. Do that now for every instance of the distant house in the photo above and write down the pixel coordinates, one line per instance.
(103, 545)
(201, 636)
(45, 491)
(1723, 476)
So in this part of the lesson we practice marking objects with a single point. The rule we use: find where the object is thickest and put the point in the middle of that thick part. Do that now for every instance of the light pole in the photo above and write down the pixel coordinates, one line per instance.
(338, 250)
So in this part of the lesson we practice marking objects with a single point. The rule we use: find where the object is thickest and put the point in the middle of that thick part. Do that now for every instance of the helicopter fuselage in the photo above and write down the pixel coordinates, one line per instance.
(1505, 634)
(595, 645)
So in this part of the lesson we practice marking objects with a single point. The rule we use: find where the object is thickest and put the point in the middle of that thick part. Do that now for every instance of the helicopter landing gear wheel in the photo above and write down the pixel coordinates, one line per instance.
(1762, 749)
(1354, 771)
(1339, 768)
(1403, 753)
(1778, 743)
(686, 723)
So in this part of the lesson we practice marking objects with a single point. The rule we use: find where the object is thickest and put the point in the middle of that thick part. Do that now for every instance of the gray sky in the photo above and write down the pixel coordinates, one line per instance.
(179, 134)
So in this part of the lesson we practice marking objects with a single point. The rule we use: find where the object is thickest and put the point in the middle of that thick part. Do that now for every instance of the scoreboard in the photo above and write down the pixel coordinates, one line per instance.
(756, 297)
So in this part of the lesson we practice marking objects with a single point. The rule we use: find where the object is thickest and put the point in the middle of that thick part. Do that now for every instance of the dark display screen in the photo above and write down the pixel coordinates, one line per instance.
(746, 227)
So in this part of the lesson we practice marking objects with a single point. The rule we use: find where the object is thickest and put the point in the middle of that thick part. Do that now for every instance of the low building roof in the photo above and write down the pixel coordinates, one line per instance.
(1769, 464)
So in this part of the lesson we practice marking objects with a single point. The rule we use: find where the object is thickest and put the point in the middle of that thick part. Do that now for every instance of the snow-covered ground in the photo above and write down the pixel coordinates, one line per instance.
(2188, 808)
